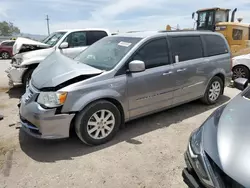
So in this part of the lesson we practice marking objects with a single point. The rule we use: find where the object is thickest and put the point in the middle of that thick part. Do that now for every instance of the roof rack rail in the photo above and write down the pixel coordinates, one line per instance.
(165, 31)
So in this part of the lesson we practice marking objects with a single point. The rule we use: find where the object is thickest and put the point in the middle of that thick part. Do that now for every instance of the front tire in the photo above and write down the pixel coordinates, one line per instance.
(213, 91)
(98, 122)
(27, 77)
(240, 72)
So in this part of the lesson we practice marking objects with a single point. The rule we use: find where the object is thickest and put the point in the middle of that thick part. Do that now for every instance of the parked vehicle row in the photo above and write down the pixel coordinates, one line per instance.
(29, 53)
(122, 77)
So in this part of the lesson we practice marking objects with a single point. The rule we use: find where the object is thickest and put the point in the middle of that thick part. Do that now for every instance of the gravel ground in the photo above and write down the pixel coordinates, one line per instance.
(147, 153)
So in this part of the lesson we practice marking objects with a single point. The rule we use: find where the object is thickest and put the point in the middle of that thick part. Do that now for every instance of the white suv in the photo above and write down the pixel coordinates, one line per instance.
(29, 53)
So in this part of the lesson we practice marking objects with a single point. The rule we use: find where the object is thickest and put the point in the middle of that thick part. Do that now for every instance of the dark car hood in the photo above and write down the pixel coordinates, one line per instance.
(226, 139)
(57, 69)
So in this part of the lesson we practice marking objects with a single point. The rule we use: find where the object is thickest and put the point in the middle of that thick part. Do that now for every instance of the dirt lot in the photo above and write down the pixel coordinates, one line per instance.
(147, 153)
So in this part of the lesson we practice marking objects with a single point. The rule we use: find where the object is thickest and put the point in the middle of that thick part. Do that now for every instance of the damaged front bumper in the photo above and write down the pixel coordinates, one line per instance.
(15, 75)
(44, 123)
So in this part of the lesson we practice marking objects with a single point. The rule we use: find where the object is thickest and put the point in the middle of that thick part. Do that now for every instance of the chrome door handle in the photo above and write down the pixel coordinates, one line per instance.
(167, 73)
(181, 70)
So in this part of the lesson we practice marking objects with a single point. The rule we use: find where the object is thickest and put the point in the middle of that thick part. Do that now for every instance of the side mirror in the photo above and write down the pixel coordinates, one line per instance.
(241, 83)
(64, 45)
(136, 66)
(193, 15)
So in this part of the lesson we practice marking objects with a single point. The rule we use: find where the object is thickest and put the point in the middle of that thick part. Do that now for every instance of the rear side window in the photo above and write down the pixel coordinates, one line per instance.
(187, 47)
(215, 45)
(8, 43)
(93, 36)
(154, 54)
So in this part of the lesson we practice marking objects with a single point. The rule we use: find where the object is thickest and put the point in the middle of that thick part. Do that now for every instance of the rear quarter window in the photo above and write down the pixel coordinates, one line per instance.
(215, 45)
(93, 36)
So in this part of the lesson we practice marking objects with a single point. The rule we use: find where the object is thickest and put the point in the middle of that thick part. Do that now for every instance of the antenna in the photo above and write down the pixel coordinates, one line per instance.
(47, 18)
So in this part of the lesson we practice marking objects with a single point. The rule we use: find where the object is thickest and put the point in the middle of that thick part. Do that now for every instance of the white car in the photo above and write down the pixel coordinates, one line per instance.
(29, 53)
(241, 66)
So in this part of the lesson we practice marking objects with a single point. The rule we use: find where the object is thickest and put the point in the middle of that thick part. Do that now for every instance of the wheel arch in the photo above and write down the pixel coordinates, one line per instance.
(32, 66)
(219, 74)
(109, 99)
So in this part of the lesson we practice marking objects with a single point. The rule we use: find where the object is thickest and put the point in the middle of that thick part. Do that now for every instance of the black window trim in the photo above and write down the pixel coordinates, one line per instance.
(188, 35)
(124, 68)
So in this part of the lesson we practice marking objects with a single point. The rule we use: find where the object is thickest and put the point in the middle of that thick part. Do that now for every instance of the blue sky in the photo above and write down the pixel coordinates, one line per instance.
(122, 15)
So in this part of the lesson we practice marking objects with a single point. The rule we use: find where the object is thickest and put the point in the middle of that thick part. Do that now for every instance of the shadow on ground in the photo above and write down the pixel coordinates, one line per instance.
(52, 151)
(16, 92)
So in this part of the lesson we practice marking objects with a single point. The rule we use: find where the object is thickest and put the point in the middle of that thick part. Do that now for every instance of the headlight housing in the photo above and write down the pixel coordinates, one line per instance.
(195, 151)
(195, 141)
(52, 99)
(16, 62)
(19, 61)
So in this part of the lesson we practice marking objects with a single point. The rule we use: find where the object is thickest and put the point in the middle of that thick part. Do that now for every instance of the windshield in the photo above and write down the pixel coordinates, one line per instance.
(107, 52)
(53, 38)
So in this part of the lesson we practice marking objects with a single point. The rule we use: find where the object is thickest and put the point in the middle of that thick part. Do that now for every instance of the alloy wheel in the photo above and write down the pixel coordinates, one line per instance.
(239, 73)
(5, 55)
(101, 124)
(214, 91)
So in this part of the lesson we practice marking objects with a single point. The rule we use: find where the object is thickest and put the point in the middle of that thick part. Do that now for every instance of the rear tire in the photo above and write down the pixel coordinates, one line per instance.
(27, 77)
(98, 122)
(213, 91)
(5, 55)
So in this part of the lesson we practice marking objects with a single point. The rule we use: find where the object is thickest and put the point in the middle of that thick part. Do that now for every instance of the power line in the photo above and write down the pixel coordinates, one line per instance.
(47, 18)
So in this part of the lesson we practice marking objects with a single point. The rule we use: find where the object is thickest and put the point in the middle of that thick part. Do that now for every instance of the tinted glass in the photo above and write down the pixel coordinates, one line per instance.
(77, 39)
(4, 43)
(187, 47)
(154, 54)
(8, 43)
(94, 36)
(106, 53)
(215, 45)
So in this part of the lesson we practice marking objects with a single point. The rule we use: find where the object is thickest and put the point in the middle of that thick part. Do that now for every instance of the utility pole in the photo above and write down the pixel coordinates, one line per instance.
(47, 18)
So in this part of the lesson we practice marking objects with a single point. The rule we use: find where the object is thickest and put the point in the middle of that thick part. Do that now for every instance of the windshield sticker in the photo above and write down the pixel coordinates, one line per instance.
(125, 44)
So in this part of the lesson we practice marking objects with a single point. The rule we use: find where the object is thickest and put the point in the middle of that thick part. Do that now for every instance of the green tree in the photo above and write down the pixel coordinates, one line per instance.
(8, 29)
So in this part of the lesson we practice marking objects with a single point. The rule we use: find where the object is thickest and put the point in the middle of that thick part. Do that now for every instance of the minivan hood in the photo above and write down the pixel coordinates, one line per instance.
(57, 69)
(226, 139)
(24, 45)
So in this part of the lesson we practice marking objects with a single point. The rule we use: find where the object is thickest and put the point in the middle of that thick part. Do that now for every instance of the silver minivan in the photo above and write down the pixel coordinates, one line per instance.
(120, 78)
